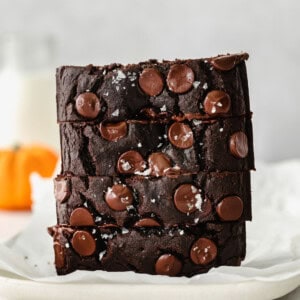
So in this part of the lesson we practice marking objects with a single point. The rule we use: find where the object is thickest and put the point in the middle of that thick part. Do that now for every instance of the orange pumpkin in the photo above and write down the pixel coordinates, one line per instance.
(16, 165)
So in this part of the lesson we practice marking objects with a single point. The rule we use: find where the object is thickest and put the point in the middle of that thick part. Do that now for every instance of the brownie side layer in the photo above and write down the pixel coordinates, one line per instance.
(86, 152)
(121, 97)
(174, 252)
(154, 200)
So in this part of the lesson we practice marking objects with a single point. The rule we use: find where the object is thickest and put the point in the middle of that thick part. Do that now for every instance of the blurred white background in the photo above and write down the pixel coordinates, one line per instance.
(101, 32)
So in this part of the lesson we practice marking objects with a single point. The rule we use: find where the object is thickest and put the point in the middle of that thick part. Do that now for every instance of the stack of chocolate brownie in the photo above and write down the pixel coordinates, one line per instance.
(156, 161)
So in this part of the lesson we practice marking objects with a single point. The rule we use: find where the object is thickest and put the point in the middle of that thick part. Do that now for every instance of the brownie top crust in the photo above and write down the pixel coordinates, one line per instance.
(180, 89)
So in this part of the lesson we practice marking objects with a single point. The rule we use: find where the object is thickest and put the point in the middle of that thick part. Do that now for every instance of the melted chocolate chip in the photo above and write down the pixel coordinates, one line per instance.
(131, 162)
(168, 264)
(151, 82)
(238, 144)
(146, 222)
(217, 103)
(83, 243)
(228, 62)
(88, 105)
(180, 78)
(61, 190)
(113, 131)
(187, 198)
(159, 163)
(181, 135)
(81, 217)
(230, 208)
(203, 251)
(59, 253)
(118, 197)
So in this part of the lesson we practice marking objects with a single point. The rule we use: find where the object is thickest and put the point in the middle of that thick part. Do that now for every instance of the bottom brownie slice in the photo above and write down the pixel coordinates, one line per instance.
(174, 252)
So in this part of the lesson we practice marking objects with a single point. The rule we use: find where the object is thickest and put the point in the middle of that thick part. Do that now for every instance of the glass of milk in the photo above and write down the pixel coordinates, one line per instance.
(27, 89)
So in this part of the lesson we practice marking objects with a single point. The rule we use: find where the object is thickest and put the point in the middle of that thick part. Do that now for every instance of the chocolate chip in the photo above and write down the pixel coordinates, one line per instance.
(118, 197)
(180, 78)
(173, 172)
(168, 264)
(239, 144)
(203, 251)
(217, 103)
(149, 113)
(151, 82)
(81, 217)
(109, 225)
(146, 222)
(230, 208)
(181, 135)
(113, 131)
(88, 105)
(187, 198)
(131, 162)
(61, 190)
(59, 254)
(159, 163)
(83, 243)
(227, 62)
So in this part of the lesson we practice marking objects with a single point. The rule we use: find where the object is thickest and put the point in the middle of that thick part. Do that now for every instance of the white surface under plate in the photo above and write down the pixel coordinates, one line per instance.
(271, 268)
(24, 289)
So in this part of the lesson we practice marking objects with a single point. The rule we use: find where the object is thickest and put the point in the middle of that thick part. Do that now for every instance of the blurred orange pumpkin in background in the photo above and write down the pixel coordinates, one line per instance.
(16, 165)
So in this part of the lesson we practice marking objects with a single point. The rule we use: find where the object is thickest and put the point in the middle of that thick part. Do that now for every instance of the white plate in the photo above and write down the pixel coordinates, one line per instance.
(14, 288)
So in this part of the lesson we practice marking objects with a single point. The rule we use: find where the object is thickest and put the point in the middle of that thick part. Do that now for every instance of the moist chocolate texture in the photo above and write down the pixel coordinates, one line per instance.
(159, 198)
(119, 249)
(122, 94)
(156, 161)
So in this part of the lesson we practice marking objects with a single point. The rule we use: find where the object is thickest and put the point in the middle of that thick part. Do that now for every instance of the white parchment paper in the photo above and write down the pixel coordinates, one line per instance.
(273, 238)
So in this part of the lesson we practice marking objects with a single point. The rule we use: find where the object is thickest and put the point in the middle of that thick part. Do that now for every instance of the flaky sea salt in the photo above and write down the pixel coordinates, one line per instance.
(115, 113)
(197, 122)
(107, 236)
(147, 172)
(129, 207)
(101, 254)
(126, 166)
(120, 75)
(196, 84)
(124, 230)
(163, 108)
(198, 203)
(98, 219)
(194, 189)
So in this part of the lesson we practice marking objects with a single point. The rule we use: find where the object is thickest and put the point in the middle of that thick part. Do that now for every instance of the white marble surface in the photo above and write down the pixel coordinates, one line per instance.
(100, 31)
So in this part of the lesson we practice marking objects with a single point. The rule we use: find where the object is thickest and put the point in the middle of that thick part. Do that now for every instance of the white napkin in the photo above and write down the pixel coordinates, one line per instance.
(273, 238)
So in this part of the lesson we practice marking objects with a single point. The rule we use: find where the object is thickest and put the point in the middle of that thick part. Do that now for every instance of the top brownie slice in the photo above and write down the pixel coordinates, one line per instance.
(180, 89)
